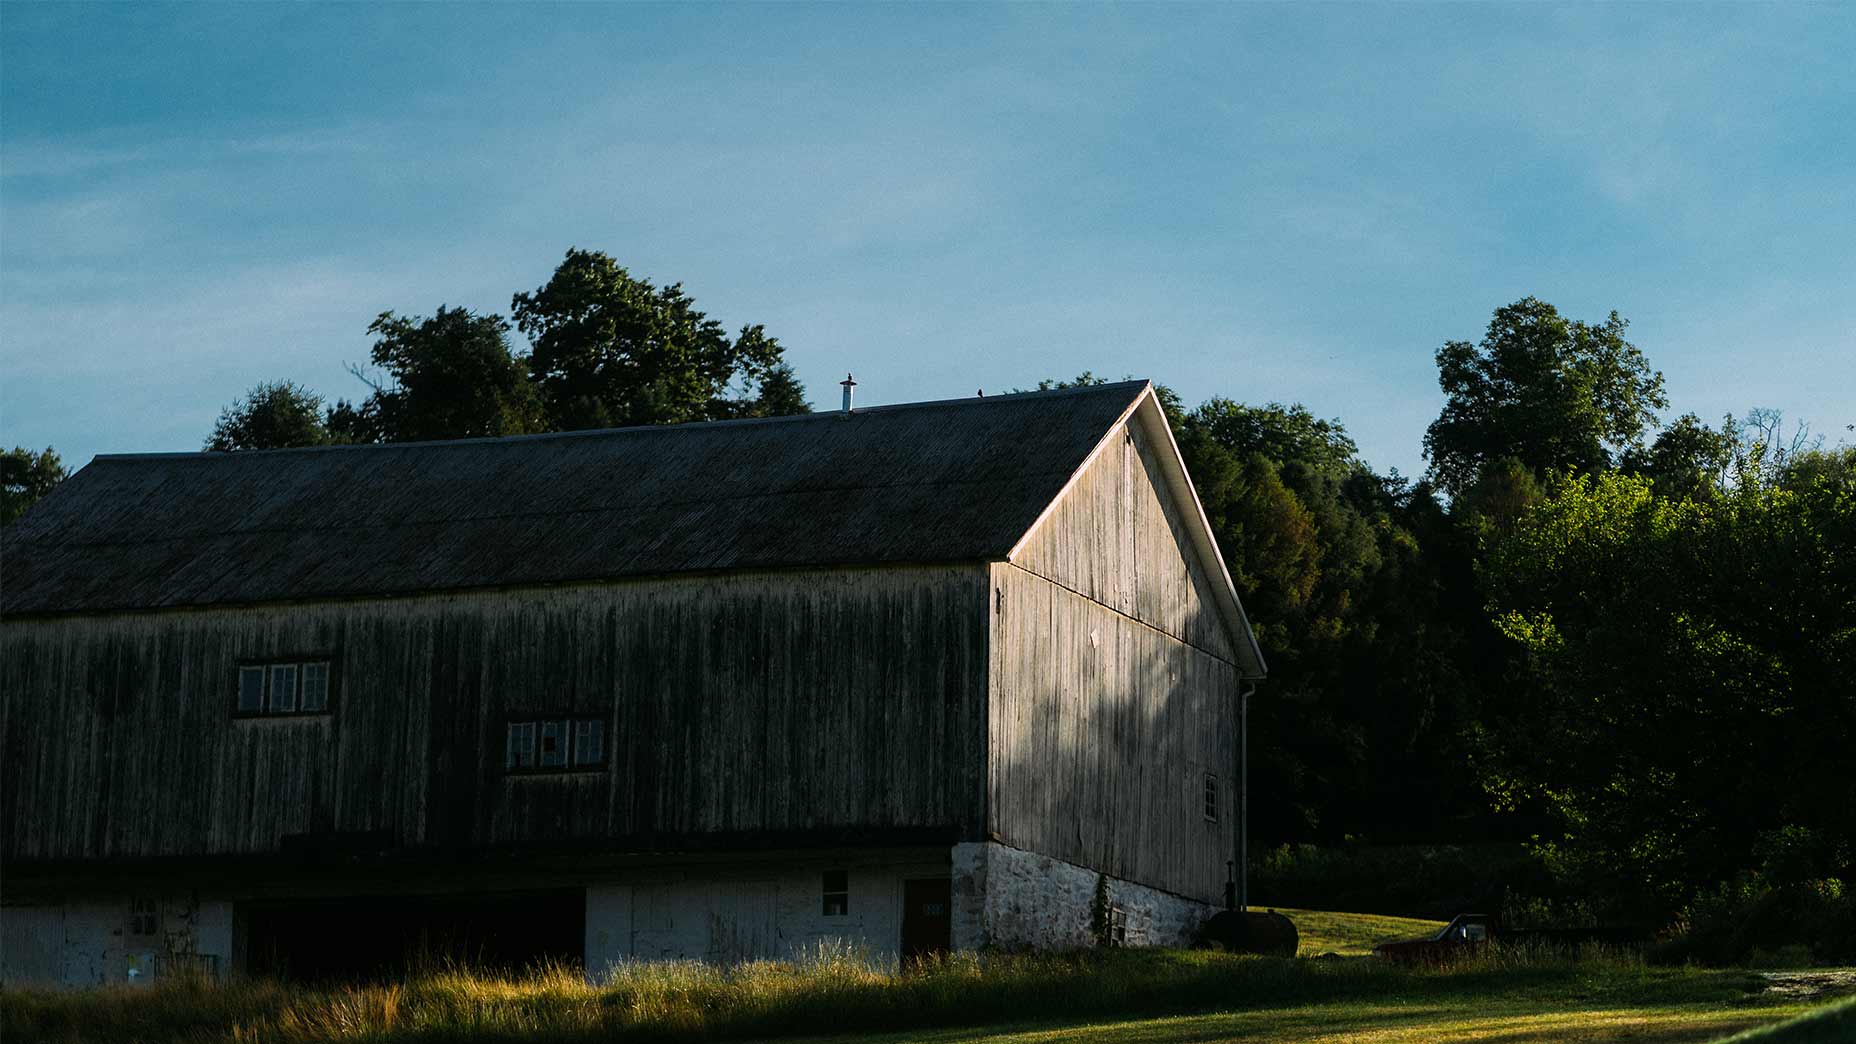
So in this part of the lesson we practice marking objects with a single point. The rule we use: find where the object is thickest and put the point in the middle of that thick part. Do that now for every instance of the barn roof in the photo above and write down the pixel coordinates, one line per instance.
(923, 482)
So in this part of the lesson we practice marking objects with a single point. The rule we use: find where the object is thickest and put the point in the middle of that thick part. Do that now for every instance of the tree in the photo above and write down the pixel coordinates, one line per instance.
(609, 349)
(449, 376)
(1680, 684)
(26, 476)
(1281, 433)
(276, 415)
(1358, 731)
(1558, 395)
(1688, 459)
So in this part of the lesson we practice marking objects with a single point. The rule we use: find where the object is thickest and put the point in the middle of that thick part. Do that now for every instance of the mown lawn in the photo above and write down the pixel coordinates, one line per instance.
(1109, 996)
(1508, 1022)
(1351, 934)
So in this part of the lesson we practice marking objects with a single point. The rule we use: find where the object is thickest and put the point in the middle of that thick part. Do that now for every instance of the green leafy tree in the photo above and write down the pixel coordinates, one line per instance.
(1688, 460)
(1356, 733)
(449, 376)
(1679, 688)
(1556, 394)
(610, 349)
(1283, 434)
(1820, 466)
(25, 476)
(276, 415)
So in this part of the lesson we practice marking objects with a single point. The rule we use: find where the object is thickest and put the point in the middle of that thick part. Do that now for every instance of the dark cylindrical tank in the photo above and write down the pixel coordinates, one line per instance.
(1253, 931)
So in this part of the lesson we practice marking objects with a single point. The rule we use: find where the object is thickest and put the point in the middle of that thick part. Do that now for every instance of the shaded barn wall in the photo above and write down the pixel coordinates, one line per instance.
(1113, 688)
(745, 705)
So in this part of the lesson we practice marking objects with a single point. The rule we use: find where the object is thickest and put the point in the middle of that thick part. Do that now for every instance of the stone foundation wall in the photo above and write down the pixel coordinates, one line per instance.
(1009, 899)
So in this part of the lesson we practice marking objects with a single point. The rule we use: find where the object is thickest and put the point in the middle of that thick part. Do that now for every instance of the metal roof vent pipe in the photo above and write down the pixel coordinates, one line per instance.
(848, 382)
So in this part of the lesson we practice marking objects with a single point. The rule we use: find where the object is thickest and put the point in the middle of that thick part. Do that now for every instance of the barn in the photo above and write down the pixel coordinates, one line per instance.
(905, 679)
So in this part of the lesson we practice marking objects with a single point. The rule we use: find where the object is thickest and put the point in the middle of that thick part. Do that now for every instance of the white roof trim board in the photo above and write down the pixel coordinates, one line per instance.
(1146, 411)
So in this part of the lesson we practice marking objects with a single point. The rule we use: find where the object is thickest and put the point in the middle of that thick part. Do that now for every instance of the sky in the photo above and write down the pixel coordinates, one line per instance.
(1268, 203)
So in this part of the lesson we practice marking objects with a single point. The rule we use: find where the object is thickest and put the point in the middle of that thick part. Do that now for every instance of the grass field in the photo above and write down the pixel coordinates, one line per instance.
(1351, 934)
(1124, 996)
(1831, 1024)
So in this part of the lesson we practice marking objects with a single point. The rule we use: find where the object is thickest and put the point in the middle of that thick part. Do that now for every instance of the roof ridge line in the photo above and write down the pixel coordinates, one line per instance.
(478, 440)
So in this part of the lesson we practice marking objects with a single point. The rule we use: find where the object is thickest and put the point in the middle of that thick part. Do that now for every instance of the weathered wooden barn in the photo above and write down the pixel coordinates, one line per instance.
(909, 678)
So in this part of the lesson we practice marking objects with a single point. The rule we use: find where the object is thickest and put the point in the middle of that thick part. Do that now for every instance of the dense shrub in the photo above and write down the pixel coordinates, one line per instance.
(1431, 881)
(1752, 920)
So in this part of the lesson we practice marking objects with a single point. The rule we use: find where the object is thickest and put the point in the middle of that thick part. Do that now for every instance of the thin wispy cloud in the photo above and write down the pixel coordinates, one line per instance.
(1294, 204)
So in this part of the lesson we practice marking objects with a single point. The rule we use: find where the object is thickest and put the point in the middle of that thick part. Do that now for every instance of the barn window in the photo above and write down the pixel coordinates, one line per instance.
(589, 741)
(521, 745)
(250, 690)
(837, 893)
(1211, 797)
(315, 687)
(284, 688)
(551, 745)
(144, 916)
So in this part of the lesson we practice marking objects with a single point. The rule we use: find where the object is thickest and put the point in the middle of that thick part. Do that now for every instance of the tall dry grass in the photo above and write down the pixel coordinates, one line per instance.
(834, 990)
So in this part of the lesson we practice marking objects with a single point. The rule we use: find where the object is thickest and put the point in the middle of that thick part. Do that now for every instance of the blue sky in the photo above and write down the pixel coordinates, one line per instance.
(1292, 203)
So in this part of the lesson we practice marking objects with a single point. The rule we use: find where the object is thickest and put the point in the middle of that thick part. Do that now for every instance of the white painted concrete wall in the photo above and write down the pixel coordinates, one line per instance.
(80, 942)
(728, 914)
(1009, 899)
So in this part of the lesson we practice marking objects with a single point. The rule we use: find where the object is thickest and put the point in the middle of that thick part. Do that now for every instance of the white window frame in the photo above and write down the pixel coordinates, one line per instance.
(581, 729)
(573, 732)
(529, 731)
(297, 668)
(322, 667)
(270, 696)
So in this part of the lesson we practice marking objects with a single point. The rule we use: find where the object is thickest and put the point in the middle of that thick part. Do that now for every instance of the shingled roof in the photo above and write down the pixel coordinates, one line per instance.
(925, 482)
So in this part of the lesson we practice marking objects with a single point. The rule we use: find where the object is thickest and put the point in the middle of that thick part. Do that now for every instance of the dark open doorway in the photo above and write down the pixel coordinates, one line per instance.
(927, 922)
(378, 937)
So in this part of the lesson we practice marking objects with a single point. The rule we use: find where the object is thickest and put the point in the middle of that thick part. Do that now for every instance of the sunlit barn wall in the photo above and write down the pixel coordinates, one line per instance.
(1113, 690)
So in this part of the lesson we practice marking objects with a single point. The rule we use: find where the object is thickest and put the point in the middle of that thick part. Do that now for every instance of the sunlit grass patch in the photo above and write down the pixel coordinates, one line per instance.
(1351, 934)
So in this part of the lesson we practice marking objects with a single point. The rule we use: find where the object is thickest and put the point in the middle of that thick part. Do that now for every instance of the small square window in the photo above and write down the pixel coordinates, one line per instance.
(837, 893)
(144, 917)
(521, 754)
(553, 744)
(283, 688)
(1211, 797)
(251, 690)
(589, 741)
(315, 687)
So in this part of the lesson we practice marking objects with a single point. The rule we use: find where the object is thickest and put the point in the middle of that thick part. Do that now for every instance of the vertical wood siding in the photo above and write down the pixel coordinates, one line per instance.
(1113, 685)
(1118, 538)
(1101, 730)
(844, 700)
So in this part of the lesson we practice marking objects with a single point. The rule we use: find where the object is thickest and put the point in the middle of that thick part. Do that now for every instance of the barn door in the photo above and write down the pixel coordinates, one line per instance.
(926, 924)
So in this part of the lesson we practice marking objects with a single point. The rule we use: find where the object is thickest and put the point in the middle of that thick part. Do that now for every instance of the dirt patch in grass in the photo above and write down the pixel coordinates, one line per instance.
(1818, 983)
